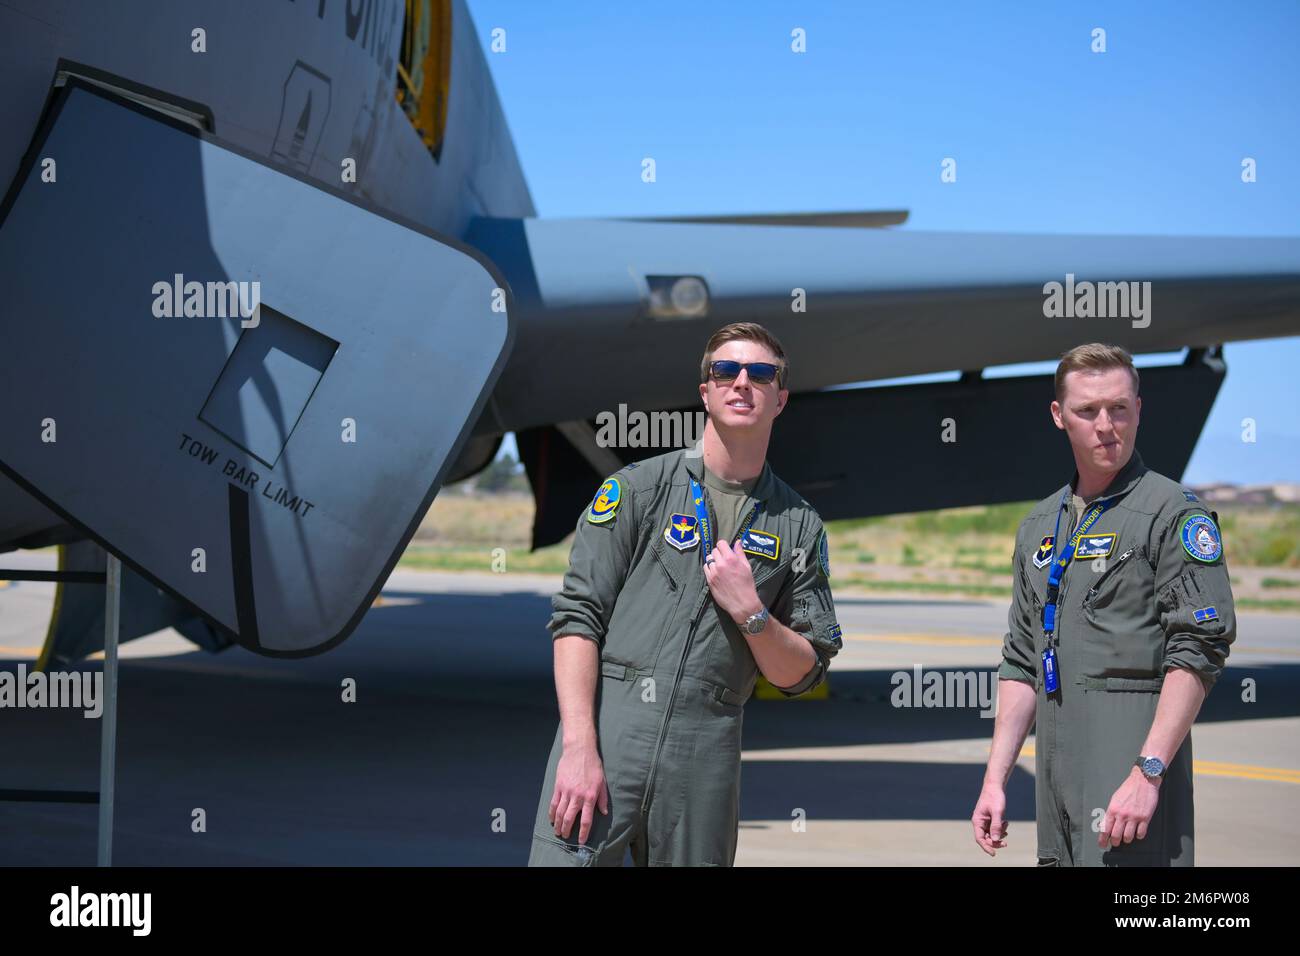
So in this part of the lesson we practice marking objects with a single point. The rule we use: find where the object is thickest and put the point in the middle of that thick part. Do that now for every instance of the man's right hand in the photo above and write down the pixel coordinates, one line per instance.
(579, 786)
(989, 819)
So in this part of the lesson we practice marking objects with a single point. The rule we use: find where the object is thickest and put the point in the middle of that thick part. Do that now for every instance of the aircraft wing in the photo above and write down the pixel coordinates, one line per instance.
(614, 314)
(850, 305)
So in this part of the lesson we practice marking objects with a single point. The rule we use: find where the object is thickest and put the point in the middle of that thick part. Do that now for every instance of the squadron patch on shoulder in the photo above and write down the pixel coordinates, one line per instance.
(1095, 546)
(763, 543)
(1044, 553)
(1201, 539)
(824, 554)
(605, 504)
(683, 531)
(1202, 615)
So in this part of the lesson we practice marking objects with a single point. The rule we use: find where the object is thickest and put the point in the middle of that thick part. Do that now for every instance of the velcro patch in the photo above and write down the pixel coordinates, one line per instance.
(683, 531)
(1044, 553)
(1201, 539)
(1095, 546)
(824, 554)
(1205, 614)
(763, 543)
(605, 504)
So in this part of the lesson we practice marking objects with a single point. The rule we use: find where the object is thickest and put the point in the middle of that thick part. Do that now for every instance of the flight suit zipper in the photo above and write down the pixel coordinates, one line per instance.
(1092, 591)
(681, 664)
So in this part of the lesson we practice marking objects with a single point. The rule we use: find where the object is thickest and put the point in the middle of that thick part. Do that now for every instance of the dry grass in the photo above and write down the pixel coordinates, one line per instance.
(957, 550)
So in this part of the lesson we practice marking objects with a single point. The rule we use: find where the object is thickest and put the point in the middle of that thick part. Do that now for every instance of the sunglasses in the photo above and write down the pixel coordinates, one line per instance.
(760, 373)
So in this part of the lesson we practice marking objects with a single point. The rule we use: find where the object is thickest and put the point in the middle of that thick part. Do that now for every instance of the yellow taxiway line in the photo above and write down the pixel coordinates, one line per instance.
(1240, 771)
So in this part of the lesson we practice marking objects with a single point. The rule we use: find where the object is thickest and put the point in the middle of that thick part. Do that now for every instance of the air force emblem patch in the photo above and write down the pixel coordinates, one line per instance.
(606, 502)
(763, 543)
(683, 532)
(824, 554)
(1044, 553)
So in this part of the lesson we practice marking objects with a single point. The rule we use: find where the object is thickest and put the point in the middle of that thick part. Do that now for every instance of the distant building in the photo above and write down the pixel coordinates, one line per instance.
(1280, 493)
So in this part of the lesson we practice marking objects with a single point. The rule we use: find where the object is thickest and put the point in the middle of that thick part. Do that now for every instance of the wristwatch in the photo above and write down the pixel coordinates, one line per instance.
(1153, 768)
(755, 623)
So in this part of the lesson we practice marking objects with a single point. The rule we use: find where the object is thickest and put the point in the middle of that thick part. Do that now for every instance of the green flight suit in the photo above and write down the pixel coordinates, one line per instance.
(1147, 591)
(675, 670)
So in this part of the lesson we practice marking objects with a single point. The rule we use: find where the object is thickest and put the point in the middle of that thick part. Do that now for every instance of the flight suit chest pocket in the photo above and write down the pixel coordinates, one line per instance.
(672, 569)
(1119, 606)
(671, 577)
(1035, 584)
(768, 576)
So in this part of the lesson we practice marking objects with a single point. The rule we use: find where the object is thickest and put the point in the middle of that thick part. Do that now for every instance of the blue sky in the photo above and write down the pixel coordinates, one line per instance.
(1147, 137)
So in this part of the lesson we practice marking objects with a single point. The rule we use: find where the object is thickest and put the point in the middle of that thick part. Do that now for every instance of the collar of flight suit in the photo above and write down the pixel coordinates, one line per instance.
(1123, 482)
(762, 490)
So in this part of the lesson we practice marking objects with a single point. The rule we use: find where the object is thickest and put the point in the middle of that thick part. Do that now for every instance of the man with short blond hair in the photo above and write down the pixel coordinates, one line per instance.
(1120, 624)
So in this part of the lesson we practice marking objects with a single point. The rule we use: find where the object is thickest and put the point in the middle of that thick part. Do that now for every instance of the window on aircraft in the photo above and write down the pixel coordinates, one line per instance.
(424, 69)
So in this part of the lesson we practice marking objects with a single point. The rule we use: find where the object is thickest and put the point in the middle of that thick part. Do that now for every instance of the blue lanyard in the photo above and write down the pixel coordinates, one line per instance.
(1060, 563)
(702, 518)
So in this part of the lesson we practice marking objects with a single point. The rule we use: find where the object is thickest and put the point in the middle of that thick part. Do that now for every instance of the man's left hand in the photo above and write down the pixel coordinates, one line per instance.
(1131, 808)
(731, 581)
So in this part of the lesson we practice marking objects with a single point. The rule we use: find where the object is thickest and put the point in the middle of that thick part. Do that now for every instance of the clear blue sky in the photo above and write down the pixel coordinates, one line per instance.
(1048, 136)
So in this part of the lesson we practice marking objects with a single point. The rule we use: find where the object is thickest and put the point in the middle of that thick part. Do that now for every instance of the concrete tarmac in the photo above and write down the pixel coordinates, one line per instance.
(440, 759)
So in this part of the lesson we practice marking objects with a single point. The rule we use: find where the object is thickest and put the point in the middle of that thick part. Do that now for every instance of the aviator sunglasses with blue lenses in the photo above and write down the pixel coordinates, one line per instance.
(760, 373)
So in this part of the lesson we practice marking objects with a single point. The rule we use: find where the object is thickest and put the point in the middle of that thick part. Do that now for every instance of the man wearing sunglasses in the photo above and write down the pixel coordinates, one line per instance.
(691, 573)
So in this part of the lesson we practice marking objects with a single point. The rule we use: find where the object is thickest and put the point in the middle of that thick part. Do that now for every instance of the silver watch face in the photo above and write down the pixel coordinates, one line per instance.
(1153, 766)
(756, 622)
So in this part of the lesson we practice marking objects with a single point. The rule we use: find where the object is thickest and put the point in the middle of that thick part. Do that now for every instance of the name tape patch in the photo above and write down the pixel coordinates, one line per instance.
(1095, 546)
(763, 543)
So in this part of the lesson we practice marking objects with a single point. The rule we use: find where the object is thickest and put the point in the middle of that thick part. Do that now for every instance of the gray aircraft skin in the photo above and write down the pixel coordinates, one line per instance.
(309, 85)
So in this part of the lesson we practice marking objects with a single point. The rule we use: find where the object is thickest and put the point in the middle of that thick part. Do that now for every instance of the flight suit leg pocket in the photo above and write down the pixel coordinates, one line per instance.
(603, 846)
(1120, 712)
(707, 829)
(548, 851)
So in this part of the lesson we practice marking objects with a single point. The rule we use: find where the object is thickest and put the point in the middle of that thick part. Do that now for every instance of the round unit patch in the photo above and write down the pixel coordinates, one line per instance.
(1201, 539)
(606, 501)
(824, 554)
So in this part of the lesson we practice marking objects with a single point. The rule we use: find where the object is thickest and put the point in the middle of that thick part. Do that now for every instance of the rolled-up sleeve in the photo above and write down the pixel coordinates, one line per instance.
(807, 607)
(598, 563)
(1193, 594)
(1019, 661)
